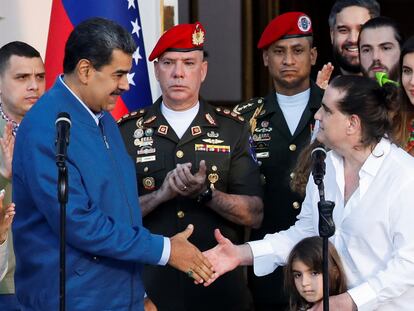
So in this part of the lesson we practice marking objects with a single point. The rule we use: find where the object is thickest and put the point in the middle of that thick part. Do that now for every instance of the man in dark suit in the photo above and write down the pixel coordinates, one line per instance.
(281, 124)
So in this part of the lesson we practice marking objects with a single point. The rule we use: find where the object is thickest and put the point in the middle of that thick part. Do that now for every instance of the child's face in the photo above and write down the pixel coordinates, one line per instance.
(308, 282)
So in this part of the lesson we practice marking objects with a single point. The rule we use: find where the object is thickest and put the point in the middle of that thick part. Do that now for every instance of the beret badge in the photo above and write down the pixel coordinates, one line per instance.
(198, 36)
(304, 23)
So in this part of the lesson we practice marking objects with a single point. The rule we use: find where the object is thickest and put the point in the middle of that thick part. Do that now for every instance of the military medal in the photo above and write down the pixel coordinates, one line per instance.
(138, 133)
(213, 178)
(149, 132)
(212, 134)
(139, 122)
(146, 150)
(143, 141)
(213, 141)
(263, 130)
(264, 123)
(148, 183)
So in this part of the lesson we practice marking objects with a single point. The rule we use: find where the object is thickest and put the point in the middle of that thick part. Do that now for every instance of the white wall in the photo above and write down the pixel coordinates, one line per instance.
(25, 20)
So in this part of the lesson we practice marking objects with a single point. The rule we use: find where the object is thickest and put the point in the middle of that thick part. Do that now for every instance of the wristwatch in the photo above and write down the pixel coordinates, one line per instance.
(205, 196)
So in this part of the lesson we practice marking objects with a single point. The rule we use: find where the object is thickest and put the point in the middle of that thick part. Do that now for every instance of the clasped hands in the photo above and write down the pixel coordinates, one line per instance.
(180, 181)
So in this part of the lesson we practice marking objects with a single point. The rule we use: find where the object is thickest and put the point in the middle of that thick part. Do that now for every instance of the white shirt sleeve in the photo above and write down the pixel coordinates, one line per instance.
(397, 275)
(274, 249)
(166, 252)
(4, 254)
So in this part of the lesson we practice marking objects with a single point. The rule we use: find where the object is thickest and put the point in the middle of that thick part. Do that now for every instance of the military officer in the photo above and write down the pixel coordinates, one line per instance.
(194, 165)
(281, 125)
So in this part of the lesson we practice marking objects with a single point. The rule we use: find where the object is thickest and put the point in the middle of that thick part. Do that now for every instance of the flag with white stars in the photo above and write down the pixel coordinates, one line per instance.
(66, 14)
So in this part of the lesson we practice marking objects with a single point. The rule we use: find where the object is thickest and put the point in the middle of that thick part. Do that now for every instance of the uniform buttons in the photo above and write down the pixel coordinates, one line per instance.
(292, 147)
(296, 205)
(292, 175)
(214, 168)
(146, 169)
(179, 154)
(262, 179)
(259, 162)
(95, 258)
(180, 214)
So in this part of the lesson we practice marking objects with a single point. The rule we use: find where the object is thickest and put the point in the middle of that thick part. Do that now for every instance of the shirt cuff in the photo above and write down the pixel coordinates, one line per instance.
(364, 296)
(263, 258)
(166, 251)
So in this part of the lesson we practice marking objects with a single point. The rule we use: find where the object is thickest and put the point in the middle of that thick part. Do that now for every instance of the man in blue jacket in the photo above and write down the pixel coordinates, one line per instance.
(106, 243)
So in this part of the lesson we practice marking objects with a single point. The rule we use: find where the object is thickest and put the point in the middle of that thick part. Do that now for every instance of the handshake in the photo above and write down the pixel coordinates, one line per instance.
(206, 267)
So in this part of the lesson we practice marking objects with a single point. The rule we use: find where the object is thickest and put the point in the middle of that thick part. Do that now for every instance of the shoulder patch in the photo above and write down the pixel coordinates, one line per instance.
(132, 115)
(248, 106)
(229, 114)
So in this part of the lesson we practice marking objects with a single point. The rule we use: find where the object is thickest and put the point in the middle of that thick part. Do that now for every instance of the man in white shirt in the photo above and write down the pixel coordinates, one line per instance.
(370, 180)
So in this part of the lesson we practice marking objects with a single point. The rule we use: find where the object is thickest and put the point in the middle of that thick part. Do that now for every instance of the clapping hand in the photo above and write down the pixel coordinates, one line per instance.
(6, 148)
(6, 217)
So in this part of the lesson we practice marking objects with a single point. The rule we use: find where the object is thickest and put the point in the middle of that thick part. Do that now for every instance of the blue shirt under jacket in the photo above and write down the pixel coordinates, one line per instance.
(106, 243)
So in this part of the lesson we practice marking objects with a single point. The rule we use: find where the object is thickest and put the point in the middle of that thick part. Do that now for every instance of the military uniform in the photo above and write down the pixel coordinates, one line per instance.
(221, 138)
(276, 151)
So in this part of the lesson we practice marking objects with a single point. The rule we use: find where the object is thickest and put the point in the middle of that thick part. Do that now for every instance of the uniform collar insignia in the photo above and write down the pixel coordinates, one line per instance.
(195, 130)
(163, 129)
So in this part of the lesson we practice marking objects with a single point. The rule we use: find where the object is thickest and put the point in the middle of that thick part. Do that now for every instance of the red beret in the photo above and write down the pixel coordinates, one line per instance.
(288, 25)
(180, 38)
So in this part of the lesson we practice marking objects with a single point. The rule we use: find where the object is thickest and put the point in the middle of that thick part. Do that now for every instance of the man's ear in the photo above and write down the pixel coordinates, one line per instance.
(313, 55)
(84, 70)
(331, 34)
(204, 68)
(354, 125)
(265, 55)
(156, 70)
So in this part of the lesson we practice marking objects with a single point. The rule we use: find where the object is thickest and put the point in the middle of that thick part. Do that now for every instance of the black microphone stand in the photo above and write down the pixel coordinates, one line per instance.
(326, 230)
(62, 188)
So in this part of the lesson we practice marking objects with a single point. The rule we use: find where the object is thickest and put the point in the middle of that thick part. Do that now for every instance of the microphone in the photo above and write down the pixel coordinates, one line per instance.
(63, 124)
(318, 156)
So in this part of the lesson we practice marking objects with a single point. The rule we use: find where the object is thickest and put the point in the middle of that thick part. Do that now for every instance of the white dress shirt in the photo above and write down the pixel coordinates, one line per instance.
(4, 255)
(374, 230)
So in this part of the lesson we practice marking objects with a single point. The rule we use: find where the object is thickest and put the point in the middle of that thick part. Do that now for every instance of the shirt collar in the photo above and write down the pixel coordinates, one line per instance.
(374, 161)
(95, 116)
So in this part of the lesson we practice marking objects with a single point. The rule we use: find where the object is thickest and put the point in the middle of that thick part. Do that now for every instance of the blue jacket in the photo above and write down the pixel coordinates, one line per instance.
(105, 241)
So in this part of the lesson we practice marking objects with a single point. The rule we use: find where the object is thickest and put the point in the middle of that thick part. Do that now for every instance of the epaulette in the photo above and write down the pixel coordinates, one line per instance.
(132, 115)
(248, 106)
(230, 114)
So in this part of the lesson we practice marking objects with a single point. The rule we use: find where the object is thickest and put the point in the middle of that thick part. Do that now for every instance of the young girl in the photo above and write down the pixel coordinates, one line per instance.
(303, 274)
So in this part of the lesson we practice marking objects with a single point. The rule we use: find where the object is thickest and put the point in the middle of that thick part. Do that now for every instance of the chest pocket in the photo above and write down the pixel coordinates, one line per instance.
(218, 167)
(150, 173)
